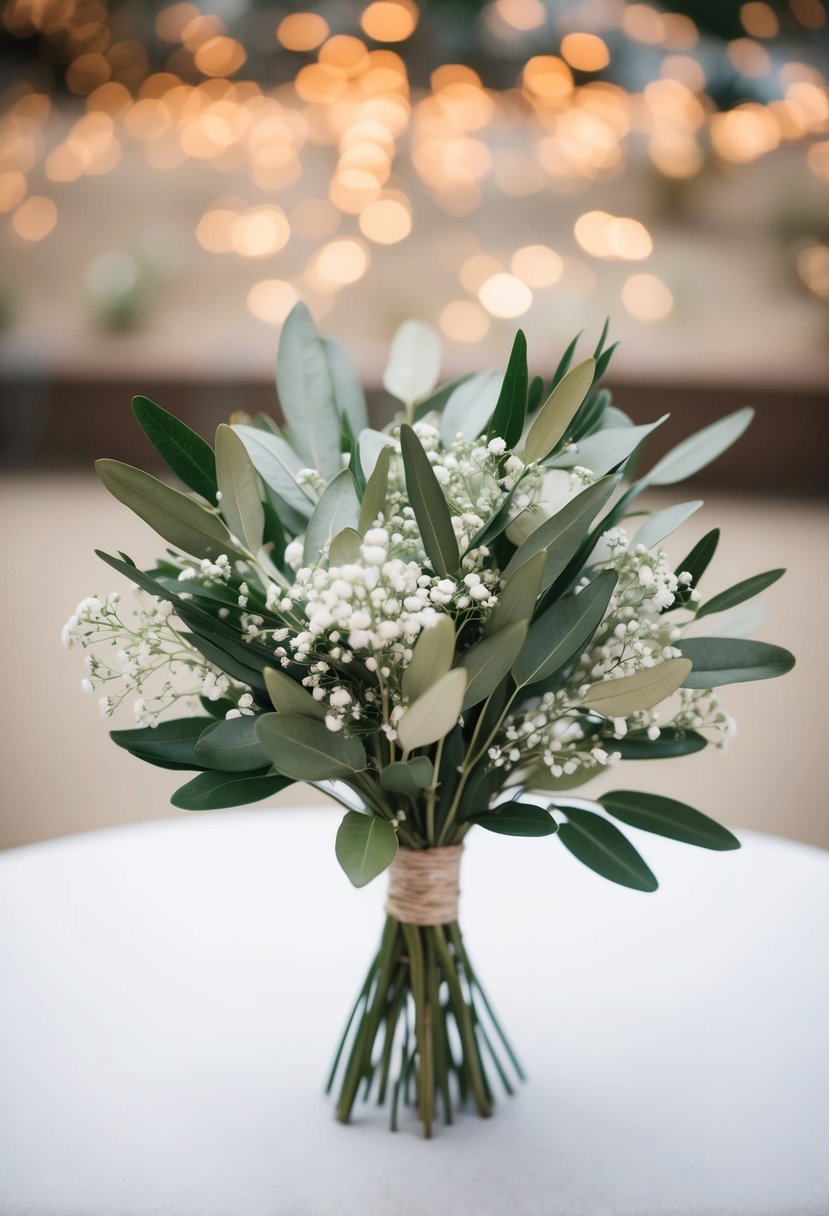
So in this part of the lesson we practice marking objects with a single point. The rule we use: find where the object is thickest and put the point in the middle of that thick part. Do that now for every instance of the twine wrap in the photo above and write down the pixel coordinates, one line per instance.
(424, 885)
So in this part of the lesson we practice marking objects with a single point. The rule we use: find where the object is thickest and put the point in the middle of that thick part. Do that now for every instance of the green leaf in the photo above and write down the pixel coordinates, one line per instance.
(344, 549)
(174, 516)
(231, 746)
(518, 595)
(414, 362)
(740, 592)
(434, 713)
(432, 656)
(238, 486)
(698, 450)
(719, 661)
(606, 449)
(289, 697)
(561, 632)
(409, 777)
(214, 791)
(305, 749)
(306, 394)
(349, 398)
(666, 817)
(695, 564)
(663, 523)
(429, 505)
(518, 819)
(552, 420)
(496, 524)
(365, 847)
(626, 695)
(560, 537)
(227, 663)
(603, 848)
(507, 420)
(535, 394)
(671, 743)
(338, 508)
(470, 407)
(277, 464)
(489, 662)
(172, 743)
(565, 361)
(541, 780)
(183, 451)
(374, 497)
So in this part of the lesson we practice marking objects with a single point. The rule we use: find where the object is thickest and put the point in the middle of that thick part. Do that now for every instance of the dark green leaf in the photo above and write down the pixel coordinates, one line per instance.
(565, 361)
(666, 817)
(365, 847)
(227, 663)
(172, 742)
(518, 819)
(507, 421)
(409, 777)
(671, 742)
(561, 632)
(602, 847)
(535, 394)
(488, 663)
(183, 451)
(695, 564)
(518, 595)
(561, 536)
(732, 661)
(307, 750)
(289, 697)
(740, 592)
(231, 746)
(429, 505)
(214, 791)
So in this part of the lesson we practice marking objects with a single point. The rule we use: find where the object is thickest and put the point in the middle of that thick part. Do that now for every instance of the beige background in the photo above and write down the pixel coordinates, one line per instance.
(62, 774)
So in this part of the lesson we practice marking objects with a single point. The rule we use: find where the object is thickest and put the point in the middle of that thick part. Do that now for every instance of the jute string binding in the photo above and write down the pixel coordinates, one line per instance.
(424, 885)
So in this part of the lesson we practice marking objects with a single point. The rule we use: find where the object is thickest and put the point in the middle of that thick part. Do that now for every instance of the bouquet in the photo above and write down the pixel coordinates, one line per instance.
(450, 623)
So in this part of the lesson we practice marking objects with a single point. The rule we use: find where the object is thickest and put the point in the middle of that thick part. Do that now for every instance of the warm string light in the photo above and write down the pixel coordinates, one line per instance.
(561, 128)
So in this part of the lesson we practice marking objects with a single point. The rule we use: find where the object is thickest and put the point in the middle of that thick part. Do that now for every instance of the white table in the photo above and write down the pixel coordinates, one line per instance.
(171, 994)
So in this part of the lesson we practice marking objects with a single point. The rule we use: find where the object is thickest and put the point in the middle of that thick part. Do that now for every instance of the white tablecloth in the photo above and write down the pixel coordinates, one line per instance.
(172, 993)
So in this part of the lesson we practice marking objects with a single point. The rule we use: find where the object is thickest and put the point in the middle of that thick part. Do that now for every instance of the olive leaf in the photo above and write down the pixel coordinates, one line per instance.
(338, 508)
(518, 595)
(663, 523)
(667, 817)
(289, 697)
(561, 632)
(507, 420)
(561, 536)
(231, 746)
(698, 450)
(470, 406)
(238, 486)
(552, 420)
(432, 656)
(719, 661)
(740, 592)
(429, 505)
(414, 362)
(216, 791)
(642, 690)
(602, 847)
(306, 394)
(305, 749)
(435, 711)
(183, 451)
(489, 662)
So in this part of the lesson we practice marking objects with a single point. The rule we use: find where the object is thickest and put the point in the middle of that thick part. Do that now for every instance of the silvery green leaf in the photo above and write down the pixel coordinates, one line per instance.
(238, 486)
(738, 622)
(277, 464)
(305, 749)
(345, 548)
(432, 656)
(661, 525)
(558, 411)
(469, 408)
(306, 393)
(643, 690)
(487, 663)
(719, 661)
(176, 517)
(434, 713)
(349, 397)
(614, 418)
(560, 537)
(436, 401)
(365, 846)
(337, 508)
(606, 449)
(374, 497)
(371, 444)
(560, 633)
(518, 595)
(698, 450)
(414, 362)
(289, 697)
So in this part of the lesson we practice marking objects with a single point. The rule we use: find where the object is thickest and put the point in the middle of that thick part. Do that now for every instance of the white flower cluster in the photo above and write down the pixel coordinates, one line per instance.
(151, 660)
(633, 636)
